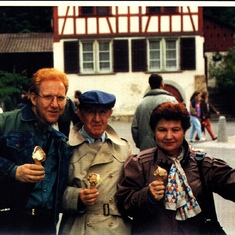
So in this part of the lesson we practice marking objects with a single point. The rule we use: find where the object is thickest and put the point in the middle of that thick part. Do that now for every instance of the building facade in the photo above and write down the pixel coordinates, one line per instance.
(116, 48)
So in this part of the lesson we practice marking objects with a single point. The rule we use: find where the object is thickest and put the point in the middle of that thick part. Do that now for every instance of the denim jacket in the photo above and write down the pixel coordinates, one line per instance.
(18, 137)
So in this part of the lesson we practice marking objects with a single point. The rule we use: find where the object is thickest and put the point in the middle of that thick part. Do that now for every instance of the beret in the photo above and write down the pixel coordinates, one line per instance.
(96, 97)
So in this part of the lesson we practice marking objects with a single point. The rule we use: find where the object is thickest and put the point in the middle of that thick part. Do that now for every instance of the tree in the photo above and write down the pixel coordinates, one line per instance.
(225, 79)
(11, 86)
(25, 19)
(223, 14)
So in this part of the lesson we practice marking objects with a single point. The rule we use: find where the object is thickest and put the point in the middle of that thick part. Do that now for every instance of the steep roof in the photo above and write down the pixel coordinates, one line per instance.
(26, 42)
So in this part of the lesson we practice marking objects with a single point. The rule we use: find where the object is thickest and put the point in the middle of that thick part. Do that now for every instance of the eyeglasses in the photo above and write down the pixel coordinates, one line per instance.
(61, 100)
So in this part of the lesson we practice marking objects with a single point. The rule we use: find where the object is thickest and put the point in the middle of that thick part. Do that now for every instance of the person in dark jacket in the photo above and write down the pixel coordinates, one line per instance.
(172, 202)
(31, 193)
(69, 116)
(206, 109)
(140, 129)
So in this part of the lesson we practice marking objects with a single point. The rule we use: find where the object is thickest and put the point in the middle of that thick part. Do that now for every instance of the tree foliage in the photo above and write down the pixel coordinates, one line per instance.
(11, 86)
(225, 72)
(223, 14)
(25, 19)
(225, 80)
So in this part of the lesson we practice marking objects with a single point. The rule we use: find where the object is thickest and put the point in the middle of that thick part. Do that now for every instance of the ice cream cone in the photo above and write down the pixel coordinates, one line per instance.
(93, 179)
(38, 155)
(160, 173)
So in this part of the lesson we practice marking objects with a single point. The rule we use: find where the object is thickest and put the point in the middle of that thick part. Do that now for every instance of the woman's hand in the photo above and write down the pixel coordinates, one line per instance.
(157, 189)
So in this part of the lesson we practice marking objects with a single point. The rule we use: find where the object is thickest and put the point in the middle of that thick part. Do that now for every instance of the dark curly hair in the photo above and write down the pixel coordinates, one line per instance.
(170, 111)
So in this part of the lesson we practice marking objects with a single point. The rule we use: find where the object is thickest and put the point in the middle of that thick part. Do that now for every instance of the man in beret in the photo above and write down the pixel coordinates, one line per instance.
(97, 149)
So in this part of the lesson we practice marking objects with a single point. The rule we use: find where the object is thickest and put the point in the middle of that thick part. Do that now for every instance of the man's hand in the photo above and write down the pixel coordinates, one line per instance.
(88, 196)
(157, 189)
(30, 173)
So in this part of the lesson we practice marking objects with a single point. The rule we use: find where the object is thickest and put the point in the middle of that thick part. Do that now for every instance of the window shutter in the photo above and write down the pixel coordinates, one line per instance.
(139, 55)
(71, 57)
(188, 56)
(121, 56)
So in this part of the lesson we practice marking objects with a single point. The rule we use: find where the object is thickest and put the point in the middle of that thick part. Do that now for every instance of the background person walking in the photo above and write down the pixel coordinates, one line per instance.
(195, 114)
(140, 128)
(206, 109)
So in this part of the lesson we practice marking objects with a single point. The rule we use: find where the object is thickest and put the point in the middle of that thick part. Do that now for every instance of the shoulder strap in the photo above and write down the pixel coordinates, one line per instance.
(208, 204)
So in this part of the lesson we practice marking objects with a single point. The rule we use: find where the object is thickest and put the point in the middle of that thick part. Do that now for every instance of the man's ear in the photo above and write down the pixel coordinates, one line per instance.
(32, 97)
(110, 112)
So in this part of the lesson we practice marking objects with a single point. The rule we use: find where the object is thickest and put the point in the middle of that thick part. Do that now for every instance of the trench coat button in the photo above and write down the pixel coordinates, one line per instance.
(111, 175)
(89, 224)
(110, 223)
(17, 145)
(111, 199)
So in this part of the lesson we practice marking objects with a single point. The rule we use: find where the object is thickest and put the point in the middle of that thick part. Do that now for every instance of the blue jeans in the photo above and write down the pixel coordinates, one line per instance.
(195, 127)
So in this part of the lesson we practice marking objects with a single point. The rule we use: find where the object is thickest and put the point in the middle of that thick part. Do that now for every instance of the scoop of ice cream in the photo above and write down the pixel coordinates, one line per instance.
(160, 172)
(94, 179)
(38, 154)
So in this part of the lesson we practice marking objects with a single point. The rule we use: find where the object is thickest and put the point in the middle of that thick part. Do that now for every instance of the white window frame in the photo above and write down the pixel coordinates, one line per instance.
(163, 54)
(96, 57)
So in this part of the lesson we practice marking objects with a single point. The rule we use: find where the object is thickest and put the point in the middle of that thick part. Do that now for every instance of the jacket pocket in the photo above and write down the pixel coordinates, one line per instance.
(19, 147)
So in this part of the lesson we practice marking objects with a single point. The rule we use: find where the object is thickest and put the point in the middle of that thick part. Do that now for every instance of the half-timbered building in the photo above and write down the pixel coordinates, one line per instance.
(116, 48)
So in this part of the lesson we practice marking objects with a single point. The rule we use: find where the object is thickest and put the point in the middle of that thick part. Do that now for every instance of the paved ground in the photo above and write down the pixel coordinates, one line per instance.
(224, 150)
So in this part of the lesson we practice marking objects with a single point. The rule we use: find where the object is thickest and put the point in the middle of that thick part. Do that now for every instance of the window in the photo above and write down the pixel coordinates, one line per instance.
(104, 56)
(96, 57)
(163, 54)
(153, 10)
(171, 55)
(170, 9)
(161, 10)
(154, 55)
(87, 10)
(87, 57)
(101, 11)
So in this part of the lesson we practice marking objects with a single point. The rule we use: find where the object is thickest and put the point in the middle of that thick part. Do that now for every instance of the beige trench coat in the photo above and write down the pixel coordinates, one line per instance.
(106, 159)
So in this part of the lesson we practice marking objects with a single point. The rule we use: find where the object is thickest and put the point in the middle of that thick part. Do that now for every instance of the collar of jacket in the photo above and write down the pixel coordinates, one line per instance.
(29, 116)
(161, 157)
(154, 92)
(75, 138)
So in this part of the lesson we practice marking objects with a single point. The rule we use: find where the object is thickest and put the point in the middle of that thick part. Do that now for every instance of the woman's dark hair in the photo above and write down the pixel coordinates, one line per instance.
(195, 93)
(170, 111)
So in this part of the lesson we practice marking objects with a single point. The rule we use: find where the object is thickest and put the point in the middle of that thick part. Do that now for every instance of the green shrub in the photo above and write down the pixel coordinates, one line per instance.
(11, 86)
